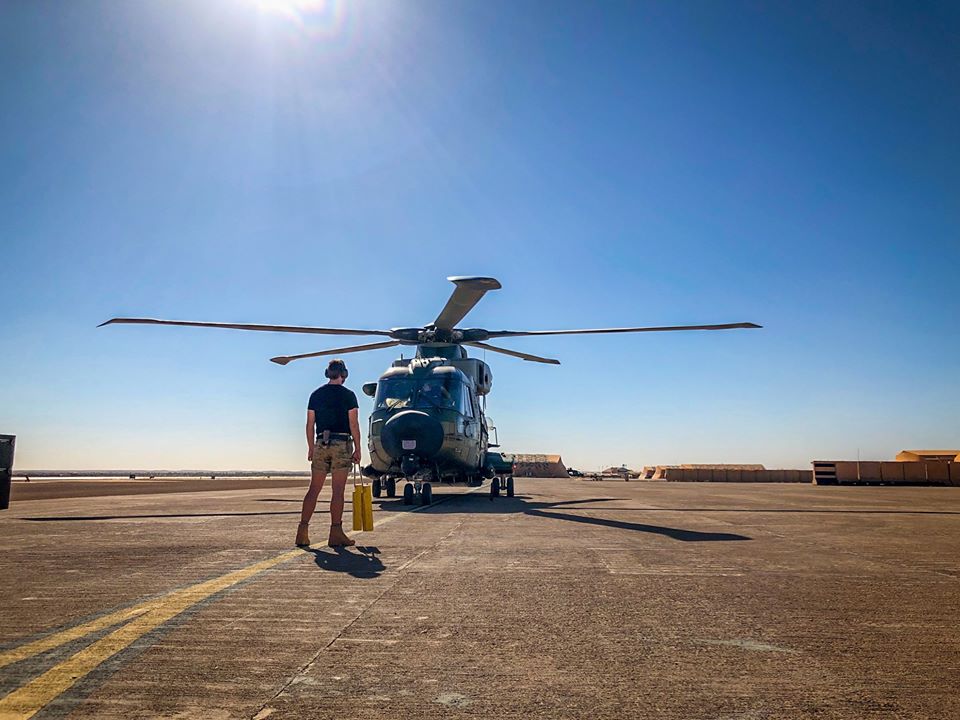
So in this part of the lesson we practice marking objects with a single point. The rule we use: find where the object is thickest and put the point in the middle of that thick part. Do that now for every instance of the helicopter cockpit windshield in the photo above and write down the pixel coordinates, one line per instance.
(434, 391)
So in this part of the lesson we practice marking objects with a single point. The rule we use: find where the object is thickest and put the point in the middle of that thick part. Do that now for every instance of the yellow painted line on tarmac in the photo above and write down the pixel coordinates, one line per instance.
(28, 700)
(31, 698)
(75, 633)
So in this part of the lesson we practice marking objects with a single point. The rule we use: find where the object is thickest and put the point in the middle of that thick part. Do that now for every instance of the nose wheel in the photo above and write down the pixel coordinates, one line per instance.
(417, 490)
(501, 484)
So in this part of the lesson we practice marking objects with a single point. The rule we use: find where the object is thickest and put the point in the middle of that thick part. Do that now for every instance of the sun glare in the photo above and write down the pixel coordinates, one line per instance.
(315, 17)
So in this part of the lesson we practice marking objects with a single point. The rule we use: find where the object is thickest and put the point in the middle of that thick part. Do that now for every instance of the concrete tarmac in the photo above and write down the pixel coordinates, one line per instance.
(575, 599)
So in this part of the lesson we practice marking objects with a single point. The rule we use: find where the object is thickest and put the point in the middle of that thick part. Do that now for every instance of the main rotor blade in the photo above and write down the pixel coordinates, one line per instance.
(245, 326)
(514, 353)
(520, 333)
(468, 292)
(284, 359)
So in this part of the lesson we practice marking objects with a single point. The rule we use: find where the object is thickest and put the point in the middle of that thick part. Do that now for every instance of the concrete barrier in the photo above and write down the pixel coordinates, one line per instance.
(847, 472)
(827, 472)
(732, 475)
(938, 473)
(912, 472)
(892, 472)
(871, 472)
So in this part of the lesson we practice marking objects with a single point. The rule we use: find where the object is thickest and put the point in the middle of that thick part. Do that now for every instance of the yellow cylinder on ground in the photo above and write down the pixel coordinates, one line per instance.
(358, 507)
(367, 507)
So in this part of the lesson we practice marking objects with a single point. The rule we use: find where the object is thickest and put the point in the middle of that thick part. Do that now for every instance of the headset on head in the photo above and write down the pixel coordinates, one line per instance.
(336, 368)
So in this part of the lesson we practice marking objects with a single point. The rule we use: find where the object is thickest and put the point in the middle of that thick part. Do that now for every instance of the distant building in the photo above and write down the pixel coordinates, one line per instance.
(530, 465)
(658, 472)
(928, 455)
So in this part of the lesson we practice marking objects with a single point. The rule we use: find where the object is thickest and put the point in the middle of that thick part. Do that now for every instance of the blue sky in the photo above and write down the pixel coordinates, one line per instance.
(795, 165)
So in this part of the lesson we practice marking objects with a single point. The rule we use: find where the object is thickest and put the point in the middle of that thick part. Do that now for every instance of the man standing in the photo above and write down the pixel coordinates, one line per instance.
(333, 445)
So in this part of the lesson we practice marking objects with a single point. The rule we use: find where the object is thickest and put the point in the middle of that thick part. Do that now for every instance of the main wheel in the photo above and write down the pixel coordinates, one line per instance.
(408, 494)
(495, 487)
(392, 487)
(377, 487)
(510, 486)
(426, 494)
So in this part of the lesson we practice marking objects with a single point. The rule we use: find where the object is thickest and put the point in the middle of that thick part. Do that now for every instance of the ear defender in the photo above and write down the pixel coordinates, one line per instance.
(336, 369)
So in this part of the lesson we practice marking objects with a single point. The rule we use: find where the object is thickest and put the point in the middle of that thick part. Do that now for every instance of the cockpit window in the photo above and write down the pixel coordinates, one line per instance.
(433, 391)
(395, 393)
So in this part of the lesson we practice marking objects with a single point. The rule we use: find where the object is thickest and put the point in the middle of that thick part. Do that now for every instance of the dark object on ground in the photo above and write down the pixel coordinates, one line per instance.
(7, 443)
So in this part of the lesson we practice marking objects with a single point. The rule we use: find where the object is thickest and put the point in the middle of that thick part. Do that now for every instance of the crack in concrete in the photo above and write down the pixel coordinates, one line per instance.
(397, 575)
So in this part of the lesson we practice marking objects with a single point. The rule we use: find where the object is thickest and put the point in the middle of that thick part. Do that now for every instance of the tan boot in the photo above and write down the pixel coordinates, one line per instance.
(303, 534)
(338, 538)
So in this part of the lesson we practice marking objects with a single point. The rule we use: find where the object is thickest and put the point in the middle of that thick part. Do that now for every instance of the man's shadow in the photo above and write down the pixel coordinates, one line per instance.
(359, 562)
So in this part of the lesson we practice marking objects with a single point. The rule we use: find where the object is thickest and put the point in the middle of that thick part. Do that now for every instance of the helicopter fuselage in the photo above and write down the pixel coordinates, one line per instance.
(428, 416)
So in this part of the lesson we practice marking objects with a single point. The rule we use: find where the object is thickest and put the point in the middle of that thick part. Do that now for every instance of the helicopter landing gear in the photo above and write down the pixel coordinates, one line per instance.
(499, 484)
(391, 488)
(417, 487)
(377, 487)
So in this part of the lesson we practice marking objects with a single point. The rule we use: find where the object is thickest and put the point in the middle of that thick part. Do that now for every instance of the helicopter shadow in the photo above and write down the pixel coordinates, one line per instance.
(524, 505)
(359, 562)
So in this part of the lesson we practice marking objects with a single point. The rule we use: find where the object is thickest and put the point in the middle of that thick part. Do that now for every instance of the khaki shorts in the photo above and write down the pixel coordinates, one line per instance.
(338, 455)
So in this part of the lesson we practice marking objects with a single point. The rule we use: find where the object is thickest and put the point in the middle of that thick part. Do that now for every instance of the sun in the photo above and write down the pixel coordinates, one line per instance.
(315, 15)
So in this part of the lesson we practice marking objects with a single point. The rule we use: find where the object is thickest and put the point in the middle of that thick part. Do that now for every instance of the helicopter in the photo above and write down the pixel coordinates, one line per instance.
(429, 423)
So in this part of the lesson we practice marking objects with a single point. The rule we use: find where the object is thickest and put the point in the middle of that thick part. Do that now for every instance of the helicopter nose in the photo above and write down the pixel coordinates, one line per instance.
(412, 431)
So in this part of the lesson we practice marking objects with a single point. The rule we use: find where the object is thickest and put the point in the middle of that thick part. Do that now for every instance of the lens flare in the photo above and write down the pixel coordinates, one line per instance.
(316, 18)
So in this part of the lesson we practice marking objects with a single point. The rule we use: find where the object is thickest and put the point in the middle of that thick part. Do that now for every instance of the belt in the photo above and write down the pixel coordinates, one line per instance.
(334, 436)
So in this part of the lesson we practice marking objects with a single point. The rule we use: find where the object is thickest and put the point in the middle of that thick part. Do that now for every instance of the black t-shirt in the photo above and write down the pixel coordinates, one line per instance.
(331, 405)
